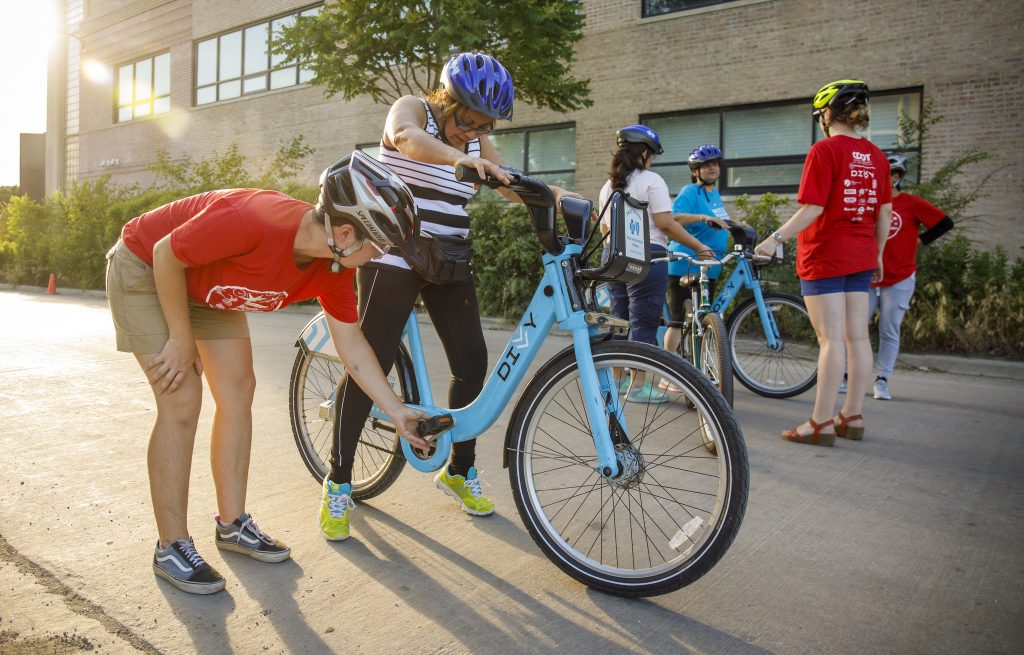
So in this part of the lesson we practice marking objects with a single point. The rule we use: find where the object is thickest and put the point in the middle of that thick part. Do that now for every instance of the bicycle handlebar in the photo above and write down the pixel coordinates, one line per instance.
(536, 195)
(703, 263)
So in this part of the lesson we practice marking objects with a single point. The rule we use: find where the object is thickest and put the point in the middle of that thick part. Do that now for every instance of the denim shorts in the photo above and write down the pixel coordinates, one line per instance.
(852, 283)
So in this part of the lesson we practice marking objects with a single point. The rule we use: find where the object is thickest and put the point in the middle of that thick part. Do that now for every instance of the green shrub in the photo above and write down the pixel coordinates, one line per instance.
(506, 259)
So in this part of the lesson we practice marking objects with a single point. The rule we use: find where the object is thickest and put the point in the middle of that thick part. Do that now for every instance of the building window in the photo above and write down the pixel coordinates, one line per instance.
(659, 7)
(144, 88)
(240, 63)
(546, 153)
(764, 146)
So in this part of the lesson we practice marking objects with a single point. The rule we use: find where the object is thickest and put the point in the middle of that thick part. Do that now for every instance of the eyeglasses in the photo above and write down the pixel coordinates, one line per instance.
(481, 130)
(383, 250)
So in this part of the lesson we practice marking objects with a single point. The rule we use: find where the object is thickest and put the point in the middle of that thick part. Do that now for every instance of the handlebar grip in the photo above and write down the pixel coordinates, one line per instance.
(467, 174)
(435, 425)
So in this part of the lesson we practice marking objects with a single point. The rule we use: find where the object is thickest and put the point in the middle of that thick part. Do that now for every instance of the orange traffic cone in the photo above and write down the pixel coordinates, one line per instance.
(52, 286)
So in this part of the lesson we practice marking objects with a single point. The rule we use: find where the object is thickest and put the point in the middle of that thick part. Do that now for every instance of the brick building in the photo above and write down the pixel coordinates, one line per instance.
(737, 73)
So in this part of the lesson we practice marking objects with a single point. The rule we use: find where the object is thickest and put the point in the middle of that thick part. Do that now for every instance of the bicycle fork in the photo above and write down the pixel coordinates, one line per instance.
(600, 395)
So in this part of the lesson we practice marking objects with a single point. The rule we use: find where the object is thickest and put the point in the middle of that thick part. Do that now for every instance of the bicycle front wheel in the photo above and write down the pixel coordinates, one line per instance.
(378, 459)
(675, 508)
(792, 367)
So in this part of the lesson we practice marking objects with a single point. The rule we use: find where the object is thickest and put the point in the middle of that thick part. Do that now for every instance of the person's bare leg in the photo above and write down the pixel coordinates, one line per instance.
(858, 353)
(169, 457)
(672, 336)
(227, 364)
(828, 316)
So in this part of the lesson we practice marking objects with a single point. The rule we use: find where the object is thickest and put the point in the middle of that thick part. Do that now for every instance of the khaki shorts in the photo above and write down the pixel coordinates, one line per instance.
(135, 308)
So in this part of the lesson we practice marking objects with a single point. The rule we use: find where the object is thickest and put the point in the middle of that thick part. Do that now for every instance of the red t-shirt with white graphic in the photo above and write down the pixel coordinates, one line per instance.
(238, 246)
(909, 213)
(850, 178)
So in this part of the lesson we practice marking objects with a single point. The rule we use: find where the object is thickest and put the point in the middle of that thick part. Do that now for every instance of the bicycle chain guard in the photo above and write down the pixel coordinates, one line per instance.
(436, 457)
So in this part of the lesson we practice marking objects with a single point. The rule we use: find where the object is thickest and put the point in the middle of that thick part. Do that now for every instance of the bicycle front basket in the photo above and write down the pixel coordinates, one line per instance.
(627, 254)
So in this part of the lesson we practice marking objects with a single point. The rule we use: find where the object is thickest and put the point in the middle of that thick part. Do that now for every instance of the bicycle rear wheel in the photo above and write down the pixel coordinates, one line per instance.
(788, 370)
(378, 458)
(675, 508)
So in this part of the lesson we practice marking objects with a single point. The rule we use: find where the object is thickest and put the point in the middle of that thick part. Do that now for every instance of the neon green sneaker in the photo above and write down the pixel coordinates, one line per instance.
(334, 507)
(466, 490)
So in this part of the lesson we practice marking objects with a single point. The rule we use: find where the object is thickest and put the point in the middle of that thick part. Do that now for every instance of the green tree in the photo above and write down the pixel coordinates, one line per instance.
(231, 170)
(390, 49)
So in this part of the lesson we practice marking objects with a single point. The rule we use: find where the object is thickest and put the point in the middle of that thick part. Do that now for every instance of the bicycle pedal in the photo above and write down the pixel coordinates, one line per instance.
(435, 425)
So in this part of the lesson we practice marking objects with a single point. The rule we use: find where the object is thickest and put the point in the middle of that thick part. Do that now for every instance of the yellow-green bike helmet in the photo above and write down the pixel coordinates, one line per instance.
(839, 94)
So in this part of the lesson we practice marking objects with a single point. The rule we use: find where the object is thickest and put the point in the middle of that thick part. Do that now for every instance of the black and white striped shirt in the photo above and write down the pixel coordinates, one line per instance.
(440, 198)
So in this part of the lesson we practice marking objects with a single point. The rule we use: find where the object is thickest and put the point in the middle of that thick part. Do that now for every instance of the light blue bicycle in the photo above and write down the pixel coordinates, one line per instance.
(622, 496)
(773, 348)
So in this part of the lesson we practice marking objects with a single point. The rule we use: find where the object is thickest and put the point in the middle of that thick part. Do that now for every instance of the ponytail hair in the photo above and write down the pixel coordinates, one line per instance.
(856, 115)
(626, 159)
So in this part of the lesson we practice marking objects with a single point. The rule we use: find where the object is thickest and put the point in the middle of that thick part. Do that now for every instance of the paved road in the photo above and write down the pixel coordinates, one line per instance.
(908, 542)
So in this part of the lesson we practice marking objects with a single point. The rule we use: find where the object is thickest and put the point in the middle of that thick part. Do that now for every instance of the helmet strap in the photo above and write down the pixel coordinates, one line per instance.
(339, 252)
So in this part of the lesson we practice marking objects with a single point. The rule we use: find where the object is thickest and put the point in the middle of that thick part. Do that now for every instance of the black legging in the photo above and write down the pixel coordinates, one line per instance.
(386, 297)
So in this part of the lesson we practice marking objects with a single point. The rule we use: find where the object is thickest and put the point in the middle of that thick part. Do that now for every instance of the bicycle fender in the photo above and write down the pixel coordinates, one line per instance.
(315, 337)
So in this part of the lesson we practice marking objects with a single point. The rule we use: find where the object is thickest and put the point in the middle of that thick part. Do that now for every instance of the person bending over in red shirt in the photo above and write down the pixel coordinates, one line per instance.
(845, 208)
(178, 283)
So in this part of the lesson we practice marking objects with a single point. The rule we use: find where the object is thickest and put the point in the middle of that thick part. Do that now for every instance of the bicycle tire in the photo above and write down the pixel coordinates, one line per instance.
(378, 459)
(706, 493)
(787, 372)
(715, 356)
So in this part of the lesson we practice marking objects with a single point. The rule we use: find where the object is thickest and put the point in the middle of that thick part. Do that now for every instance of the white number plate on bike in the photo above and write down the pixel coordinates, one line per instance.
(635, 218)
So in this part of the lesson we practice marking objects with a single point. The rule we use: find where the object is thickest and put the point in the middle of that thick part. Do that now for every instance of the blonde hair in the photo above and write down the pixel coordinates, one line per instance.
(854, 116)
(440, 97)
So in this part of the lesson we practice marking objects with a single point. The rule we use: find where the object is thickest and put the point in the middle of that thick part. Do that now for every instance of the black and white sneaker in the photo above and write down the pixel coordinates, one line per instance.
(244, 536)
(184, 568)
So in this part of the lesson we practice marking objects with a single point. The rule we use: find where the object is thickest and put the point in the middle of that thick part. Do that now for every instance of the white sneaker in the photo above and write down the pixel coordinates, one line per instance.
(842, 386)
(882, 389)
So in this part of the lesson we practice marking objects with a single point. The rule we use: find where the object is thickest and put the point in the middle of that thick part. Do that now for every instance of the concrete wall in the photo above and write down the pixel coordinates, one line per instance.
(968, 63)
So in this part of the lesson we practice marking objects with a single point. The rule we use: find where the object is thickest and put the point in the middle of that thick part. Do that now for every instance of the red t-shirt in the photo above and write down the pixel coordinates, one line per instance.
(238, 246)
(909, 213)
(850, 178)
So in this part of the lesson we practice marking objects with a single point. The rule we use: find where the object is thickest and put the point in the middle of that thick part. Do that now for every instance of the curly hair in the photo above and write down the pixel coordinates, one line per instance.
(856, 115)
(626, 159)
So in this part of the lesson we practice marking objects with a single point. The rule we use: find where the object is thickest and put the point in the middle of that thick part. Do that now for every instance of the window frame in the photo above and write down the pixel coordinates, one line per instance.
(704, 5)
(530, 129)
(153, 97)
(242, 77)
(725, 189)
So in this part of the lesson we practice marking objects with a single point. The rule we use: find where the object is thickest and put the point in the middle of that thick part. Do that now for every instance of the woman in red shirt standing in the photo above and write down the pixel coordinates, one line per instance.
(178, 282)
(841, 226)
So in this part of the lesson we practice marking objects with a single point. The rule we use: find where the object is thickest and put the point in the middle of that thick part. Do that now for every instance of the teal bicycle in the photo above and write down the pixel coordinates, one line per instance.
(622, 496)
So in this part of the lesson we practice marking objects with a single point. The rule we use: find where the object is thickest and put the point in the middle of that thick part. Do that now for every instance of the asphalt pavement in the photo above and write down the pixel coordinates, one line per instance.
(907, 542)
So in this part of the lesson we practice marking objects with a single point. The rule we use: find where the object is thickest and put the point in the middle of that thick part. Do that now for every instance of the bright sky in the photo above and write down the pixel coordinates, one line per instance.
(27, 30)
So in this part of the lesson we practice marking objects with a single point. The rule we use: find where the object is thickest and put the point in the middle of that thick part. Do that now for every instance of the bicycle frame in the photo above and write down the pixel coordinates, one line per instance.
(743, 277)
(550, 304)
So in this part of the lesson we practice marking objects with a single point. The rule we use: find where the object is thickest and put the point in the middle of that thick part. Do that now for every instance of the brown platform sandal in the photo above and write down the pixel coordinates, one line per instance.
(848, 431)
(815, 438)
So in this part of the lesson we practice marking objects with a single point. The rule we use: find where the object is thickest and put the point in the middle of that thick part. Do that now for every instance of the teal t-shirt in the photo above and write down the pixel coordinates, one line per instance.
(693, 199)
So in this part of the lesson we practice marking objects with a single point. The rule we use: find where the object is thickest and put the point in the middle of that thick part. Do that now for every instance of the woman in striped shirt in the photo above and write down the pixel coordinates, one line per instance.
(423, 141)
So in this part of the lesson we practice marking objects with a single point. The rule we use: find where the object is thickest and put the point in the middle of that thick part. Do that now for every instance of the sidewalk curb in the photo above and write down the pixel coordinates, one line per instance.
(928, 362)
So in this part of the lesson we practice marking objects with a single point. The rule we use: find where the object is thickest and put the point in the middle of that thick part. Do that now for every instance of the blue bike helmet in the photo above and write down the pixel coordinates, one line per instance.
(479, 82)
(704, 154)
(639, 134)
